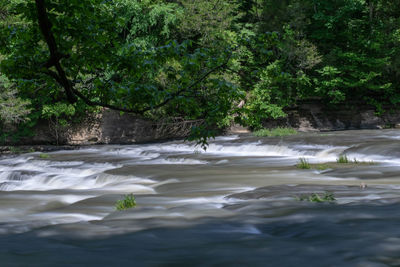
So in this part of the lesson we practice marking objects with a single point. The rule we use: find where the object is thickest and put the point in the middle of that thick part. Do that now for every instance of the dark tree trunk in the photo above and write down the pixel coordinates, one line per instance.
(55, 55)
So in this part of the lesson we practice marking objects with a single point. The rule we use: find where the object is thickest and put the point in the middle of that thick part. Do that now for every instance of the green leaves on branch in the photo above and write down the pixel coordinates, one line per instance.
(203, 60)
(13, 109)
(330, 84)
(61, 111)
(116, 54)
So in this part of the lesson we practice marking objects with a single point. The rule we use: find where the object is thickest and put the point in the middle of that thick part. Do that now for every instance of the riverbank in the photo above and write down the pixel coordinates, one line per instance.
(112, 127)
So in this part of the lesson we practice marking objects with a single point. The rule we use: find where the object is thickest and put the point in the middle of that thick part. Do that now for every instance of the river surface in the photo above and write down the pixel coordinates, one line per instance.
(234, 204)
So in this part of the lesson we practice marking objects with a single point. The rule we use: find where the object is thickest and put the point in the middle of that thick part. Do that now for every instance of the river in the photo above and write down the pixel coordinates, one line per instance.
(234, 204)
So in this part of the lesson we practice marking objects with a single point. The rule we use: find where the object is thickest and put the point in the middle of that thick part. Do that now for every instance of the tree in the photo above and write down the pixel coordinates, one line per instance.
(339, 51)
(115, 54)
(198, 59)
(13, 109)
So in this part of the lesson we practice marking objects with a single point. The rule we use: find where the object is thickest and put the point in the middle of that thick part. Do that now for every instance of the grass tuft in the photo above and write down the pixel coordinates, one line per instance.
(128, 202)
(280, 131)
(344, 159)
(303, 164)
(44, 156)
(314, 197)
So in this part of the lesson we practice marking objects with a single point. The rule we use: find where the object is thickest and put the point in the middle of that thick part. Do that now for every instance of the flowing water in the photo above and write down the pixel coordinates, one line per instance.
(234, 204)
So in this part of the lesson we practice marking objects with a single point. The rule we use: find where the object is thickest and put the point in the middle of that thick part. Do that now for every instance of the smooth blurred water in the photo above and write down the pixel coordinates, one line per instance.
(234, 204)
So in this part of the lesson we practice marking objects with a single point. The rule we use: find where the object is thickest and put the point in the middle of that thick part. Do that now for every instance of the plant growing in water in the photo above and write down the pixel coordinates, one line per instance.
(280, 131)
(303, 164)
(314, 197)
(128, 202)
(44, 156)
(343, 159)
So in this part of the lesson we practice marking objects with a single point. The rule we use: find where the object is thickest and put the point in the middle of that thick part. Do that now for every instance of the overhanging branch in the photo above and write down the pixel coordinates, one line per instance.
(55, 55)
(72, 94)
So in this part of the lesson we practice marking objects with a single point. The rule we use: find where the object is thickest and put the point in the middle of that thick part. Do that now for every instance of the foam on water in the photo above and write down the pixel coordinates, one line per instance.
(14, 161)
(104, 179)
(253, 149)
(30, 173)
(245, 229)
(130, 152)
(330, 153)
(59, 218)
(227, 138)
(44, 175)
(247, 149)
(159, 153)
(179, 161)
(202, 200)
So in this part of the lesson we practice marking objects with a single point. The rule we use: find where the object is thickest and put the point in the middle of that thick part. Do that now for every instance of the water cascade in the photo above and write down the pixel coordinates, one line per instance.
(237, 199)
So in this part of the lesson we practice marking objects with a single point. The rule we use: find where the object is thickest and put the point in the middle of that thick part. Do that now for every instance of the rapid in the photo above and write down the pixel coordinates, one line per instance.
(235, 203)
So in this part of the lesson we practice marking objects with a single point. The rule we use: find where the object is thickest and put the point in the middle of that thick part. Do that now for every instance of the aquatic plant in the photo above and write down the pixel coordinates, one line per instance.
(314, 197)
(303, 164)
(44, 156)
(280, 131)
(344, 159)
(128, 202)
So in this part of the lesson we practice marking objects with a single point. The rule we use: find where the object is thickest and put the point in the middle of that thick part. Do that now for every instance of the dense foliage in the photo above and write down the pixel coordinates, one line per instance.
(204, 59)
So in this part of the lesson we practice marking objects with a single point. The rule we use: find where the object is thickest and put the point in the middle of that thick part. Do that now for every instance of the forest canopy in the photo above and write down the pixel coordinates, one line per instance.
(194, 59)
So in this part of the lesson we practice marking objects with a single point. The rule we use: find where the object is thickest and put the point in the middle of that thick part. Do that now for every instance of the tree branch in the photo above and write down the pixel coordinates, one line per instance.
(202, 78)
(55, 55)
(163, 103)
(72, 93)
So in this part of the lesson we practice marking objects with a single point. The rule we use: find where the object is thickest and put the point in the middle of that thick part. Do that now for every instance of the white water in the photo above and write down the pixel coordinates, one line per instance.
(72, 194)
(29, 172)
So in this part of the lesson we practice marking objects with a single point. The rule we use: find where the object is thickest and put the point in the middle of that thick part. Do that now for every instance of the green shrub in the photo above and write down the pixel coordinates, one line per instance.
(343, 159)
(303, 164)
(128, 202)
(275, 132)
(314, 197)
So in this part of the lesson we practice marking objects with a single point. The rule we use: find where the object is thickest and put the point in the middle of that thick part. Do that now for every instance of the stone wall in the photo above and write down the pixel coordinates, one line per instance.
(110, 127)
(313, 116)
